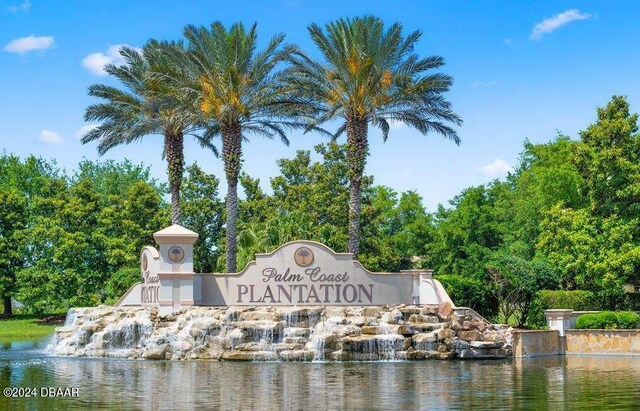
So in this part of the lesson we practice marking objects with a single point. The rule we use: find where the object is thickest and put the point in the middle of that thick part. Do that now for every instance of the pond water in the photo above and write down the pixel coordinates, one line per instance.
(542, 383)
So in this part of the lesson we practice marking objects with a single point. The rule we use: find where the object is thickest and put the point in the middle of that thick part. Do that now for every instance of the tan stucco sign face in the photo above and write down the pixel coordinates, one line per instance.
(305, 273)
(149, 273)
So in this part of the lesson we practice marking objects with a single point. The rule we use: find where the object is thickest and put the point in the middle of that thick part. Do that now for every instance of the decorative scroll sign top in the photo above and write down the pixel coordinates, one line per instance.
(305, 273)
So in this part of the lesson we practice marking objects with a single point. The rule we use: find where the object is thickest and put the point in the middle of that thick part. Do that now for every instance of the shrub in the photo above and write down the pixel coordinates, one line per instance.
(577, 300)
(588, 321)
(471, 293)
(609, 320)
(628, 320)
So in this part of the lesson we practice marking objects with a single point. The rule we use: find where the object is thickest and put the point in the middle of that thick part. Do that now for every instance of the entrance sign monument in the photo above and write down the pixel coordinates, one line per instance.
(300, 302)
(299, 273)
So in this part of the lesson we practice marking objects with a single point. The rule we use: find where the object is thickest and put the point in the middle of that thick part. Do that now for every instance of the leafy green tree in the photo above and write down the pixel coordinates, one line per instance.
(306, 204)
(467, 234)
(115, 178)
(369, 75)
(609, 161)
(237, 92)
(545, 177)
(13, 219)
(79, 236)
(472, 293)
(203, 213)
(514, 283)
(257, 205)
(318, 191)
(21, 182)
(119, 283)
(591, 253)
(396, 232)
(146, 106)
(596, 246)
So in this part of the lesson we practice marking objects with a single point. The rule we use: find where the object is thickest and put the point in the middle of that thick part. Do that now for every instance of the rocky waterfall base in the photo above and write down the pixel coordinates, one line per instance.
(404, 332)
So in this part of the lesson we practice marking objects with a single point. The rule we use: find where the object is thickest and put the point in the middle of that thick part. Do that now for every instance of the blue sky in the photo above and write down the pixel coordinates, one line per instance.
(521, 70)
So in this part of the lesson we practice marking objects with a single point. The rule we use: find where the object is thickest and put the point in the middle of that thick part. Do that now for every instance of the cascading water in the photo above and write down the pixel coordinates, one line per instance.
(318, 337)
(268, 334)
(385, 346)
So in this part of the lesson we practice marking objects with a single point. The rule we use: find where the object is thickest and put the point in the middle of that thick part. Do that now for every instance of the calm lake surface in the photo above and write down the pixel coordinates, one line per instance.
(542, 383)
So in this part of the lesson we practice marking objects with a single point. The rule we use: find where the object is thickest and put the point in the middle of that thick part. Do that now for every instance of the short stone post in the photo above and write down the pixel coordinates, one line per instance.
(415, 289)
(176, 274)
(558, 319)
(427, 290)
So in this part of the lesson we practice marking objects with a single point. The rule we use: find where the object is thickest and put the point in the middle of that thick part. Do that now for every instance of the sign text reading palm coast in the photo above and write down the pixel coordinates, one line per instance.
(311, 286)
(307, 273)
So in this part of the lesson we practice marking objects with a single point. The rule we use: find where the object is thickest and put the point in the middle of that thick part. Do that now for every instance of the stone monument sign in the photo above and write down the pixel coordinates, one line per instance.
(298, 273)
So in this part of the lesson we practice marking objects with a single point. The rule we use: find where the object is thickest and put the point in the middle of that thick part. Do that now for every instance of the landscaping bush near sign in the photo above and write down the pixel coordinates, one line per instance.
(577, 300)
(609, 320)
(628, 320)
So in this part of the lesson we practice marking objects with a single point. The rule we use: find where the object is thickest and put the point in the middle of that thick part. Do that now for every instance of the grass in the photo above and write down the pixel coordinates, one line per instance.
(21, 327)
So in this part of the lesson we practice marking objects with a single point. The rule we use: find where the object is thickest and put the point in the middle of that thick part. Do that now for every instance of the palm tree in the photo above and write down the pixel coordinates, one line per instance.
(238, 92)
(145, 107)
(369, 76)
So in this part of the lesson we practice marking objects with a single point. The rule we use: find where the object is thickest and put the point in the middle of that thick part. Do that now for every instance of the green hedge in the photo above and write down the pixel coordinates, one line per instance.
(468, 292)
(609, 320)
(577, 300)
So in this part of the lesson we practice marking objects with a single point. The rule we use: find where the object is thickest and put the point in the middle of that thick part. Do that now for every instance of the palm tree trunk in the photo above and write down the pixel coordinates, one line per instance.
(174, 151)
(231, 154)
(356, 158)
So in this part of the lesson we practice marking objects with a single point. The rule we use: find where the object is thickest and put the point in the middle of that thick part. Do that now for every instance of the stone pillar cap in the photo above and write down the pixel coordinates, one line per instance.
(175, 234)
(426, 272)
(418, 270)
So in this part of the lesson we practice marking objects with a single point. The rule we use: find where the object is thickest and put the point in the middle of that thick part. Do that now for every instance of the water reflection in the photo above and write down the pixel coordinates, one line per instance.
(542, 383)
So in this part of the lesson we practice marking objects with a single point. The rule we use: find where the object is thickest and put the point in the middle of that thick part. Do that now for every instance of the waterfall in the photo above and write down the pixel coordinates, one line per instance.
(71, 317)
(386, 343)
(318, 337)
(261, 334)
(386, 347)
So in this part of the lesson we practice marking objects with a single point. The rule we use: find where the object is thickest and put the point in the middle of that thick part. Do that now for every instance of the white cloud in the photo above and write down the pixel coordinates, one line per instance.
(508, 42)
(24, 45)
(25, 6)
(95, 62)
(484, 83)
(498, 167)
(84, 130)
(50, 137)
(550, 24)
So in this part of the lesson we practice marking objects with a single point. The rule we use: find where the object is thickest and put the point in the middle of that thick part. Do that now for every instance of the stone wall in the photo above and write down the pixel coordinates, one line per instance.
(603, 342)
(537, 343)
(403, 332)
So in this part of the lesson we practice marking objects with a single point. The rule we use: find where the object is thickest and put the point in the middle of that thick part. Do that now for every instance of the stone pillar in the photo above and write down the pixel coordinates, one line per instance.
(559, 320)
(176, 274)
(426, 290)
(415, 289)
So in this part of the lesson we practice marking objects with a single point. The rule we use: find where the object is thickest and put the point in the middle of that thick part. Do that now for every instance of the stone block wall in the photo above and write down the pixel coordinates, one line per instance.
(536, 343)
(603, 342)
(576, 342)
